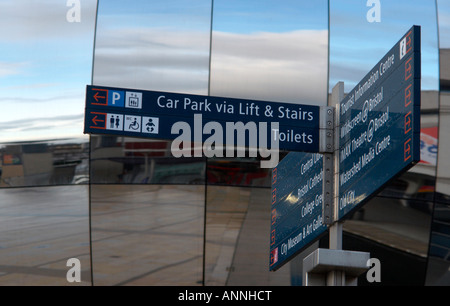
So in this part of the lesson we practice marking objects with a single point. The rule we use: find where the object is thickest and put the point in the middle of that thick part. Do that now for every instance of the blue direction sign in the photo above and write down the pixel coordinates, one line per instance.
(380, 125)
(153, 114)
(296, 206)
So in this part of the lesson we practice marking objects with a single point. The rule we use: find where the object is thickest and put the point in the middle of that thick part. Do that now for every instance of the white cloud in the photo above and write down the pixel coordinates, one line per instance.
(284, 67)
(38, 128)
(30, 20)
(290, 66)
(152, 58)
(45, 63)
(9, 68)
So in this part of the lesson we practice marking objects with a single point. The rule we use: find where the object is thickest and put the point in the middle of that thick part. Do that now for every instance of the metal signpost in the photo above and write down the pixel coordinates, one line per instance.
(352, 148)
(377, 137)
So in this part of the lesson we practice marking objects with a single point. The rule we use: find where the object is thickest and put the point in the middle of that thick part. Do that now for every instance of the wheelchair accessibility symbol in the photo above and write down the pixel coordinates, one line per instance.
(132, 123)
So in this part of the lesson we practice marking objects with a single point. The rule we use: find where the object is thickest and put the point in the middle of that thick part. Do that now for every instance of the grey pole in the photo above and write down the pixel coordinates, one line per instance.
(336, 277)
(333, 266)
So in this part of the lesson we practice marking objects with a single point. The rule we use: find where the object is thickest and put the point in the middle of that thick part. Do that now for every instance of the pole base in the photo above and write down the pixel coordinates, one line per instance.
(327, 267)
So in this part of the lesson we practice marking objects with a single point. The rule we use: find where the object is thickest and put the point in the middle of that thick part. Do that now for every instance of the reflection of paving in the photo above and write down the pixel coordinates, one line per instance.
(153, 235)
(40, 229)
(386, 221)
(226, 211)
(238, 230)
(147, 235)
(251, 258)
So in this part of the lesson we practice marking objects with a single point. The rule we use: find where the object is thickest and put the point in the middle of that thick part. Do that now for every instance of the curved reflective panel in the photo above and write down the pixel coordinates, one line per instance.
(443, 179)
(260, 50)
(439, 251)
(45, 64)
(399, 218)
(151, 226)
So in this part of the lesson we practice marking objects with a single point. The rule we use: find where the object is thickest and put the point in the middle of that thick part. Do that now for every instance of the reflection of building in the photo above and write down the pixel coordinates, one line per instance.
(140, 161)
(41, 163)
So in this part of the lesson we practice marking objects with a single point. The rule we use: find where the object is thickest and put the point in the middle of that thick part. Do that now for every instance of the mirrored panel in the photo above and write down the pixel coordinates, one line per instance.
(147, 206)
(45, 64)
(439, 252)
(260, 50)
(399, 218)
(443, 180)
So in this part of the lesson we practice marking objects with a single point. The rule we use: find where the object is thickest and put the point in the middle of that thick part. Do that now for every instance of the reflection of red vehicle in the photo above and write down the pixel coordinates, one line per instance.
(242, 173)
(425, 188)
(428, 145)
(423, 198)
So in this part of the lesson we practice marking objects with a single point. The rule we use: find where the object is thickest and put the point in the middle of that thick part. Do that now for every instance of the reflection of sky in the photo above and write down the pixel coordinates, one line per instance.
(270, 50)
(252, 16)
(261, 49)
(444, 23)
(153, 45)
(357, 45)
(174, 14)
(267, 46)
(45, 64)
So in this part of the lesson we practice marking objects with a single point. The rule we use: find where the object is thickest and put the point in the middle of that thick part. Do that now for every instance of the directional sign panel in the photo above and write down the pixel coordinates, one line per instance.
(296, 206)
(139, 113)
(380, 124)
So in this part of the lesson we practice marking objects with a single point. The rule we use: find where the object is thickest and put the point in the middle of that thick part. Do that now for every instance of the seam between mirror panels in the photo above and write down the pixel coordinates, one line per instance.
(90, 150)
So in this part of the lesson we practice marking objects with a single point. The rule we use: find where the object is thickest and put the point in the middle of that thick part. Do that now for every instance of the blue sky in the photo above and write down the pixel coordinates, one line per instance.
(270, 16)
(356, 45)
(45, 64)
(186, 15)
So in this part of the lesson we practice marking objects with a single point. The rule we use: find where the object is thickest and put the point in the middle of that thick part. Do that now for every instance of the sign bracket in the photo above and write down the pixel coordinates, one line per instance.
(326, 129)
(330, 162)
